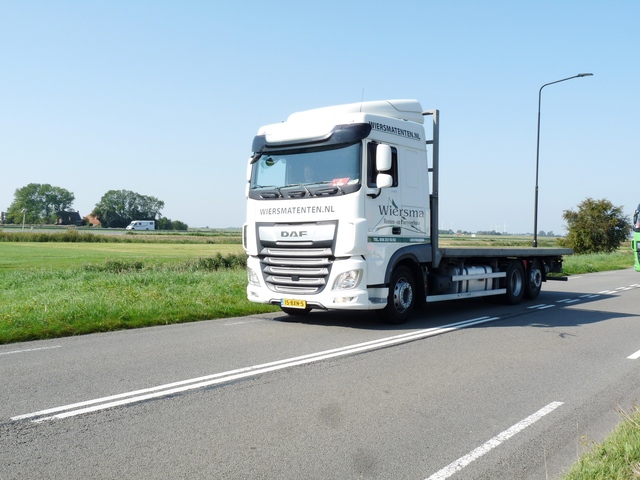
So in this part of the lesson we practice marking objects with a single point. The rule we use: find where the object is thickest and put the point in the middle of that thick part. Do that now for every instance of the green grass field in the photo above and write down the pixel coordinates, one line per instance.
(90, 283)
(40, 255)
(53, 289)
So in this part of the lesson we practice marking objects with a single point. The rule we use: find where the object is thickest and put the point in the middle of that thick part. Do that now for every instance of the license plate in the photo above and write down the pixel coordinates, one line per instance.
(291, 303)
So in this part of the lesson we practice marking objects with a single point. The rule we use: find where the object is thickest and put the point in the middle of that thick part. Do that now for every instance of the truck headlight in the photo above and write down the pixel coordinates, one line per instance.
(253, 277)
(347, 280)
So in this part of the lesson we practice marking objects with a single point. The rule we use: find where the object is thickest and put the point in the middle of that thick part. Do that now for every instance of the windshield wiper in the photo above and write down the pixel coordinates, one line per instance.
(308, 192)
(329, 189)
(277, 189)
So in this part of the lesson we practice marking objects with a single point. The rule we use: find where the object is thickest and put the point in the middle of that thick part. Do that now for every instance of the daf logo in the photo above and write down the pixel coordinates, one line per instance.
(293, 234)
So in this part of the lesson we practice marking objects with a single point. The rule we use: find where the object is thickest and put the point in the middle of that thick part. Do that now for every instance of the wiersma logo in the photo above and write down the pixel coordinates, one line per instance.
(410, 219)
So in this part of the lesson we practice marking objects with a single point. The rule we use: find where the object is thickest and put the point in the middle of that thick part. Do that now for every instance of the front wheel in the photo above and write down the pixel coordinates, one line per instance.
(402, 297)
(515, 283)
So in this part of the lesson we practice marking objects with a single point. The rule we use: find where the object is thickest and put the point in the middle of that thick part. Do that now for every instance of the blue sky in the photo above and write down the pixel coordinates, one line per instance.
(164, 97)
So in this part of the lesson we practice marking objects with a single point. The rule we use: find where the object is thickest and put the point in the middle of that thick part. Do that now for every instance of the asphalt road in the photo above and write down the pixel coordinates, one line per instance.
(466, 390)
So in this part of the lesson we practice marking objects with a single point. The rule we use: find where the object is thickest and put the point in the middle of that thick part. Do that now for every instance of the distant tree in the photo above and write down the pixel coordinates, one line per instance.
(42, 203)
(542, 233)
(165, 223)
(597, 226)
(178, 225)
(118, 208)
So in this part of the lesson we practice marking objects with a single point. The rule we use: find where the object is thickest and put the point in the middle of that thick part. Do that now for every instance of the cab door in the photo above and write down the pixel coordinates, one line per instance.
(383, 204)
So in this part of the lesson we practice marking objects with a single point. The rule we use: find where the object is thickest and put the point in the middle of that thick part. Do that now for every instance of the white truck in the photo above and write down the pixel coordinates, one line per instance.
(142, 225)
(342, 214)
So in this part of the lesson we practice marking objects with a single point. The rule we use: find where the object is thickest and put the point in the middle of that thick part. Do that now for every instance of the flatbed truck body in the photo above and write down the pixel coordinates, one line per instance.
(342, 214)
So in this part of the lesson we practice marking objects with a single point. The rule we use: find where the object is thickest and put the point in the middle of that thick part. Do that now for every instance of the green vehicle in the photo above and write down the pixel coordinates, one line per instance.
(635, 244)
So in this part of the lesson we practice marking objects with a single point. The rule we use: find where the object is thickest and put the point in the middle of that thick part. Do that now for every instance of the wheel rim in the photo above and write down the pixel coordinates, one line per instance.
(515, 283)
(402, 295)
(536, 277)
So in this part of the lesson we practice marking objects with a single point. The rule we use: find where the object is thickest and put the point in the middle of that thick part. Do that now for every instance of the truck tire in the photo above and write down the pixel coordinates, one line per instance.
(402, 297)
(515, 283)
(534, 281)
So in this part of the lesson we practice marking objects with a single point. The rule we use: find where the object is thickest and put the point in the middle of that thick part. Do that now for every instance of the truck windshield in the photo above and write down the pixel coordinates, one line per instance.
(306, 172)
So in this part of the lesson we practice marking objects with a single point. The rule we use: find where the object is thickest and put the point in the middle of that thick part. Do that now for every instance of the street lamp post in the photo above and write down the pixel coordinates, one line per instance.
(24, 214)
(535, 213)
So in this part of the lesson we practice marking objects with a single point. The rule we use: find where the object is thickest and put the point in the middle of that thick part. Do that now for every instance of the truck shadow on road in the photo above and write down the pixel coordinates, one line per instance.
(550, 309)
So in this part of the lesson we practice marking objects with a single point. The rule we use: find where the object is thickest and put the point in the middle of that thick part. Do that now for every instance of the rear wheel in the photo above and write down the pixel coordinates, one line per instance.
(515, 283)
(402, 297)
(534, 280)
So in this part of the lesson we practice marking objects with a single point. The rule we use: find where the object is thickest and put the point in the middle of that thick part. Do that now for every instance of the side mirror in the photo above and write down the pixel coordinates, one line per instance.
(384, 180)
(383, 158)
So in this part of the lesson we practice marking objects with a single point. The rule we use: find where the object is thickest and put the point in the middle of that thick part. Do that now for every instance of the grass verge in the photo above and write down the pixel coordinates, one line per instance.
(617, 457)
(120, 294)
(598, 262)
(52, 289)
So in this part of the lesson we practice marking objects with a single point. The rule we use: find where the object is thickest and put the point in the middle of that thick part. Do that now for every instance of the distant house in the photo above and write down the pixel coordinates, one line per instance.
(69, 218)
(92, 220)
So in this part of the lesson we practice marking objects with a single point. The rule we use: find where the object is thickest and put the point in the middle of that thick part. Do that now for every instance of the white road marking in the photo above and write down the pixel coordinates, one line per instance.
(462, 462)
(219, 378)
(29, 350)
(540, 307)
(635, 356)
(620, 289)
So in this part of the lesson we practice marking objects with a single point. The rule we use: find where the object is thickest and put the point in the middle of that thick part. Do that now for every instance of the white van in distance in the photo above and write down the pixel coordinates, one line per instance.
(142, 225)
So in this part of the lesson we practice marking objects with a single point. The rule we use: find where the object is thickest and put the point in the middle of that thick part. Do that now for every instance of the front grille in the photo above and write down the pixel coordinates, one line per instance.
(301, 270)
(276, 270)
(309, 253)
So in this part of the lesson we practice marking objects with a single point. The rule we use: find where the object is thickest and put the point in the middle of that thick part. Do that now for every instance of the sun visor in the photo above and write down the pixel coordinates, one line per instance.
(285, 136)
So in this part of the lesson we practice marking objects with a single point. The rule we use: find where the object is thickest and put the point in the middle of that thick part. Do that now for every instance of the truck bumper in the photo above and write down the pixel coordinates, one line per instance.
(330, 298)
